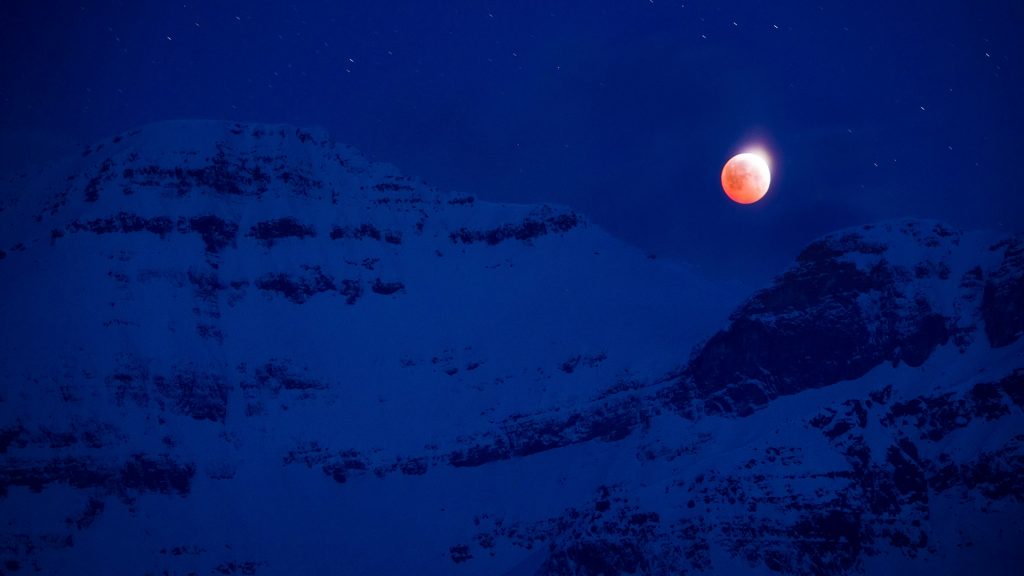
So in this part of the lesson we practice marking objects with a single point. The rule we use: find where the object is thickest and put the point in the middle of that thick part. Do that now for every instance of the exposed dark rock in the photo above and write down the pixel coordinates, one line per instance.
(803, 519)
(526, 230)
(309, 453)
(831, 541)
(460, 553)
(357, 233)
(298, 288)
(277, 375)
(140, 473)
(223, 176)
(92, 511)
(75, 472)
(248, 568)
(907, 476)
(691, 534)
(201, 396)
(935, 417)
(570, 365)
(351, 290)
(366, 231)
(480, 454)
(269, 231)
(834, 423)
(301, 185)
(386, 288)
(339, 466)
(92, 188)
(210, 332)
(811, 329)
(413, 466)
(611, 536)
(130, 381)
(999, 474)
(217, 233)
(523, 436)
(187, 550)
(125, 222)
(143, 473)
(598, 557)
(1013, 386)
(206, 285)
(392, 187)
(13, 435)
(1002, 305)
(881, 396)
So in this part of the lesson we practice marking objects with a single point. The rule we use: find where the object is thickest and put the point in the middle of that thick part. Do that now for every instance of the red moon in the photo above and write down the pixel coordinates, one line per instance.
(746, 178)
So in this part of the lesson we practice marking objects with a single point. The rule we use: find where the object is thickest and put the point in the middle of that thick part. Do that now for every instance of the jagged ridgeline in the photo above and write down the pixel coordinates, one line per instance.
(245, 349)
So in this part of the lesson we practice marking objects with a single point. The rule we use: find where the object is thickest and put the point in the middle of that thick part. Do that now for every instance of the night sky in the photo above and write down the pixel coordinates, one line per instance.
(624, 110)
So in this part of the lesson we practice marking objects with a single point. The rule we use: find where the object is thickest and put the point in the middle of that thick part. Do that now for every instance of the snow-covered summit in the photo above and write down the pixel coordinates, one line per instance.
(245, 349)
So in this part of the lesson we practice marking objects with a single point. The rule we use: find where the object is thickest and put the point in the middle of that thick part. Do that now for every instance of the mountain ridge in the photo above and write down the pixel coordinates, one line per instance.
(245, 349)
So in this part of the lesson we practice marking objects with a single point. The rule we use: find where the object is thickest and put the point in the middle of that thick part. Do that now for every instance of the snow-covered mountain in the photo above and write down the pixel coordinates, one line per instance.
(244, 349)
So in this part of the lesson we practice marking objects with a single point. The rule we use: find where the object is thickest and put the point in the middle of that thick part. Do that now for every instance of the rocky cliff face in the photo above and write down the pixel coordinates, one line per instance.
(244, 349)
(891, 293)
(1003, 302)
(874, 407)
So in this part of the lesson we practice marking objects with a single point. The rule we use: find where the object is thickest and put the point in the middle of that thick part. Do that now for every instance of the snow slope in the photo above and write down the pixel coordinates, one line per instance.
(244, 349)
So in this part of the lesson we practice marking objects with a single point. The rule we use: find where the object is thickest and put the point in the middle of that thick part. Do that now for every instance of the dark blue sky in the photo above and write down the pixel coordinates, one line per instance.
(625, 110)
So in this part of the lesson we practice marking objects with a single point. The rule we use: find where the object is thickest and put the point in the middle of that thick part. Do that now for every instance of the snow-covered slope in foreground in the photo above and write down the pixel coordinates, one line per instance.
(242, 349)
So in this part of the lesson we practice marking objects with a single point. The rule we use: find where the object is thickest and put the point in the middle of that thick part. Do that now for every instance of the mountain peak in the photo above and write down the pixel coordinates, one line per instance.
(210, 324)
(854, 299)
